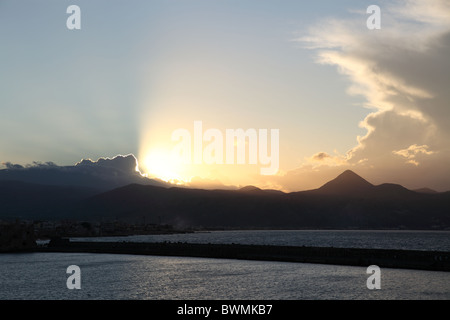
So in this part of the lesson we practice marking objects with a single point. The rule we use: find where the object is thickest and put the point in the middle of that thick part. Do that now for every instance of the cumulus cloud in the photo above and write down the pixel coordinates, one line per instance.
(124, 164)
(412, 152)
(12, 166)
(34, 164)
(104, 173)
(403, 68)
(432, 12)
(403, 72)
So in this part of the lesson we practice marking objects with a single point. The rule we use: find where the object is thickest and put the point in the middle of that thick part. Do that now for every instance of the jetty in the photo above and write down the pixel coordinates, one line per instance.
(404, 259)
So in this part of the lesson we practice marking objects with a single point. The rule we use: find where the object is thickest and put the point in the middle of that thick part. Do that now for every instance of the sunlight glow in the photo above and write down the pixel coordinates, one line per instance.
(159, 164)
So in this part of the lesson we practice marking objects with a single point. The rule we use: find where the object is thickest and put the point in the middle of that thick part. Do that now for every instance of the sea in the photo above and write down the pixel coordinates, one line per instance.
(44, 276)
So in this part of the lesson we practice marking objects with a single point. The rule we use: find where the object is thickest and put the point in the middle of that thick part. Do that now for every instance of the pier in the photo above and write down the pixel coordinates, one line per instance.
(404, 259)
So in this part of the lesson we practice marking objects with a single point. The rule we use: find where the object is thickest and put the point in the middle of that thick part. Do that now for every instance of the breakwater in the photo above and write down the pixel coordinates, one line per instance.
(406, 259)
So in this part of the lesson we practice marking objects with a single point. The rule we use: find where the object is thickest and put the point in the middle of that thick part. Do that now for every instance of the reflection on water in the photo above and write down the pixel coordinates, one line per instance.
(108, 276)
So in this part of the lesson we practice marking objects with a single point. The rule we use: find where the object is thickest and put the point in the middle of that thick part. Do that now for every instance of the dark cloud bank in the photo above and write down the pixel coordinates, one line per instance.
(103, 174)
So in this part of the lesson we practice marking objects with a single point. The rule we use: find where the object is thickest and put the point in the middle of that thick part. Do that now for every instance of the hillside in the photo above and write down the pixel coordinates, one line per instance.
(346, 202)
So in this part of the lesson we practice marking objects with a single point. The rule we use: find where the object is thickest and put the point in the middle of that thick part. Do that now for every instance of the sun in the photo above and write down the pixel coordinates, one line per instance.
(159, 164)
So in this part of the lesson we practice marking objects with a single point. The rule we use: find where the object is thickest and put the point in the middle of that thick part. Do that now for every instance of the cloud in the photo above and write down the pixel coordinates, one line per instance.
(431, 12)
(320, 156)
(124, 164)
(403, 72)
(12, 166)
(323, 158)
(103, 174)
(35, 165)
(412, 151)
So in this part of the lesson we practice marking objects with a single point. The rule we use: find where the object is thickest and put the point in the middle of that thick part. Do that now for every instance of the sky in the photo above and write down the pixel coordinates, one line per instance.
(341, 96)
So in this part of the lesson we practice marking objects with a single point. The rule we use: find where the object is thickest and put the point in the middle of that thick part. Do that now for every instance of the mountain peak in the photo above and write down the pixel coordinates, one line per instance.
(347, 182)
(426, 190)
(250, 189)
(348, 173)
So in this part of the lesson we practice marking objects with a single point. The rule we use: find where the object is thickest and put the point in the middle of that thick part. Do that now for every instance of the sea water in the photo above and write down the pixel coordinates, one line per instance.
(36, 276)
(373, 239)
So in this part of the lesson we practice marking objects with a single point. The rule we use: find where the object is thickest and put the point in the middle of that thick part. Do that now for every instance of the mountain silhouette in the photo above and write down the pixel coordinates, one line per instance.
(392, 190)
(346, 202)
(347, 183)
(350, 184)
(23, 200)
(250, 189)
(256, 190)
(425, 190)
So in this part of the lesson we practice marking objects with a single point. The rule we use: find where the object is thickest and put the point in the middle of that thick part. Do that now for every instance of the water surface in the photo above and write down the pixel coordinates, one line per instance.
(39, 276)
(407, 240)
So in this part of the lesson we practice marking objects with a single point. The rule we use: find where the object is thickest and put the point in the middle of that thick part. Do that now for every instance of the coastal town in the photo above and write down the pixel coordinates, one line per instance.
(22, 234)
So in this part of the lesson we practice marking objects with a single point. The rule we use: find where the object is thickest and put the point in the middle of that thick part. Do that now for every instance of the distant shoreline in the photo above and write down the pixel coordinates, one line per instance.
(402, 259)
